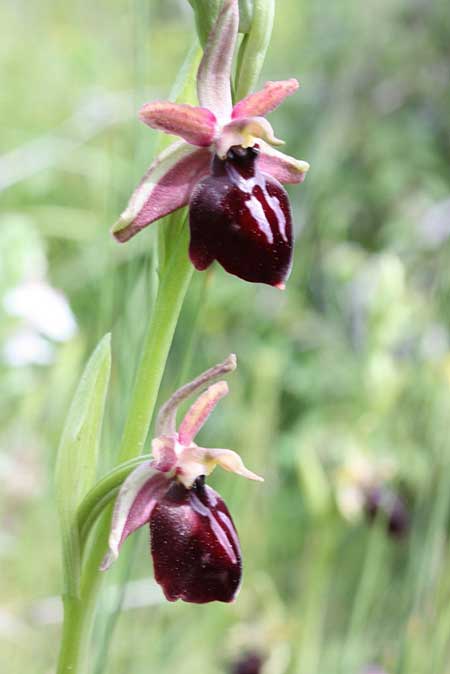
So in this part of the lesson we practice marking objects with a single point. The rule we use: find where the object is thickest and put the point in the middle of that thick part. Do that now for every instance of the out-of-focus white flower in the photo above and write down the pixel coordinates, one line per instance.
(12, 627)
(350, 500)
(20, 474)
(21, 249)
(27, 348)
(44, 308)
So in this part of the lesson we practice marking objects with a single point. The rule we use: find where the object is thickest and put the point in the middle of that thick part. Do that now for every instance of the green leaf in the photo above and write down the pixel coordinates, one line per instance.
(76, 466)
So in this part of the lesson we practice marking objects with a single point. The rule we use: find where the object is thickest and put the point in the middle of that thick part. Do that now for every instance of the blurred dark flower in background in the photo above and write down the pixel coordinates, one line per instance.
(366, 488)
(383, 502)
(248, 663)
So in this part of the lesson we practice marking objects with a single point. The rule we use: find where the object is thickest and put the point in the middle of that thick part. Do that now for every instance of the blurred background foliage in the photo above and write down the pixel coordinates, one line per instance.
(343, 388)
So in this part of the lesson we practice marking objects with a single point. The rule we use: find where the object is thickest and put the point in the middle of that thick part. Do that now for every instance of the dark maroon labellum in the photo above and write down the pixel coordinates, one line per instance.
(195, 547)
(241, 217)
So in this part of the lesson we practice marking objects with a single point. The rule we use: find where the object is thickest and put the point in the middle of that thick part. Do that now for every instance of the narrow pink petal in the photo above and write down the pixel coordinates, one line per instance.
(200, 411)
(166, 186)
(166, 421)
(137, 497)
(214, 73)
(196, 125)
(264, 101)
(281, 166)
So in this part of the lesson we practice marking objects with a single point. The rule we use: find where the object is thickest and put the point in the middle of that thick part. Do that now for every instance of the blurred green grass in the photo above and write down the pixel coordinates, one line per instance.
(353, 360)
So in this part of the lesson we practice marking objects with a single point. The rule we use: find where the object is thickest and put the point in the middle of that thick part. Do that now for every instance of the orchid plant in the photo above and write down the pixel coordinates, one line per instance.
(225, 168)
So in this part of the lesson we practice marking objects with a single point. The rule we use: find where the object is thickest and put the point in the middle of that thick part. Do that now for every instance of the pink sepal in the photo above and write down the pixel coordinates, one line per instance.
(284, 168)
(214, 73)
(262, 102)
(166, 420)
(200, 411)
(196, 125)
(166, 186)
(139, 494)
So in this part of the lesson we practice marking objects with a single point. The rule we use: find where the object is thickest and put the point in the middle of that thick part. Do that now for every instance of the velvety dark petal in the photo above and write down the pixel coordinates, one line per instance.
(195, 548)
(241, 217)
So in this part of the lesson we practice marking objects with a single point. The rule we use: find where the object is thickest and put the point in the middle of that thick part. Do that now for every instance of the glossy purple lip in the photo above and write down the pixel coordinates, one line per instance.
(195, 547)
(241, 217)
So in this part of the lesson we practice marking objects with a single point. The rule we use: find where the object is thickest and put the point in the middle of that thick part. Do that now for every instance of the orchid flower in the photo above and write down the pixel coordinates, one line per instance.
(194, 544)
(224, 167)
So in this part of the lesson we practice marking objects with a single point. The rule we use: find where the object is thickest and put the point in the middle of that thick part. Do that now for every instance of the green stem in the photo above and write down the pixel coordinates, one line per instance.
(79, 611)
(78, 619)
(159, 336)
